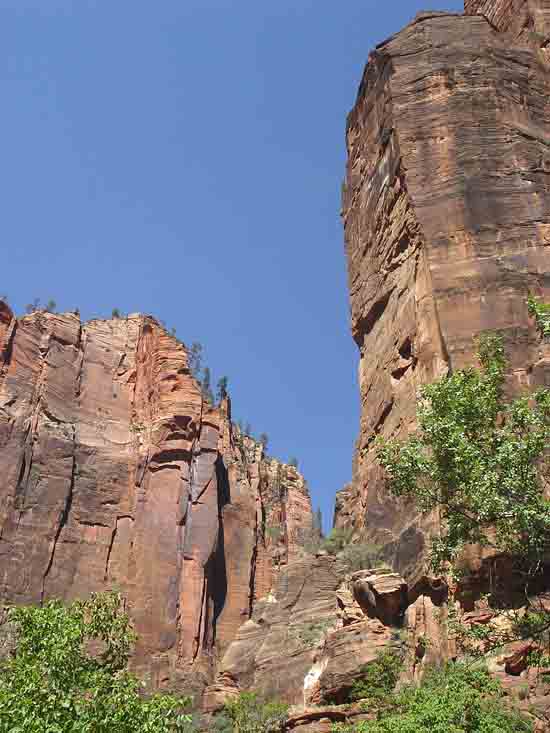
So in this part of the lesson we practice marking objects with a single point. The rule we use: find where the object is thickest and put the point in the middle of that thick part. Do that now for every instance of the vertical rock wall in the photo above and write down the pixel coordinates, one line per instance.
(116, 473)
(446, 211)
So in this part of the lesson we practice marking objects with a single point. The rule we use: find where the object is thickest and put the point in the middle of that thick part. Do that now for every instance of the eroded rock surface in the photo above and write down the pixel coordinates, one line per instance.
(115, 472)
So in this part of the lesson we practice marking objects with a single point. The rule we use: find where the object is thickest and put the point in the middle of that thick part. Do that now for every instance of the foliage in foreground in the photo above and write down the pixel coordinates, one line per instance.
(478, 460)
(69, 674)
(248, 714)
(457, 699)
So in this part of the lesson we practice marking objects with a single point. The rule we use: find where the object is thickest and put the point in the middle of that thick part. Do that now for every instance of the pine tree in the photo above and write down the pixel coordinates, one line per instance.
(221, 390)
(264, 440)
(318, 522)
(206, 388)
(195, 359)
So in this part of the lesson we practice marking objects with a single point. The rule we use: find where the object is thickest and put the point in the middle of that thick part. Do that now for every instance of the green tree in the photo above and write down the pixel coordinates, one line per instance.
(116, 313)
(69, 674)
(264, 440)
(293, 462)
(248, 714)
(206, 386)
(194, 356)
(378, 679)
(50, 306)
(221, 388)
(455, 699)
(478, 460)
(541, 313)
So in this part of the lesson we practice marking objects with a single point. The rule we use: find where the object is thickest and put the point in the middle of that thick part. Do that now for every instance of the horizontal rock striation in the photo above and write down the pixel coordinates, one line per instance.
(115, 472)
(446, 210)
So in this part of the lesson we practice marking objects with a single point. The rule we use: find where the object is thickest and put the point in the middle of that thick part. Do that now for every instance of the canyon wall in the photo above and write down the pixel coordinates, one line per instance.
(446, 210)
(115, 472)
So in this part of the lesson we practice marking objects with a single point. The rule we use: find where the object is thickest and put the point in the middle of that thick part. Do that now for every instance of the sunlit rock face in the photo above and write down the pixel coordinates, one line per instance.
(446, 210)
(115, 472)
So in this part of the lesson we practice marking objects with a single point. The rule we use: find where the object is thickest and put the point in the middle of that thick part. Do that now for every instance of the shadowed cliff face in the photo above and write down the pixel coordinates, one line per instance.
(446, 209)
(114, 472)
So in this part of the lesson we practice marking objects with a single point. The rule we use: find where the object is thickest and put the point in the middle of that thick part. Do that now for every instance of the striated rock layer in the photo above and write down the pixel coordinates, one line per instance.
(446, 208)
(116, 473)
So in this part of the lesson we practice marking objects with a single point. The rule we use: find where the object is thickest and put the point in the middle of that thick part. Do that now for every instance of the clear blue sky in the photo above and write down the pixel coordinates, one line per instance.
(184, 158)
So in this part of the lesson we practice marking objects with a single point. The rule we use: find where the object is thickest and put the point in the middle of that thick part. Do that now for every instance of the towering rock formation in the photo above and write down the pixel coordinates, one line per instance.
(115, 472)
(446, 208)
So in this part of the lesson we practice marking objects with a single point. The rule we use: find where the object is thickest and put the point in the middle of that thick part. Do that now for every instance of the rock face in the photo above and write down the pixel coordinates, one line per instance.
(446, 209)
(115, 472)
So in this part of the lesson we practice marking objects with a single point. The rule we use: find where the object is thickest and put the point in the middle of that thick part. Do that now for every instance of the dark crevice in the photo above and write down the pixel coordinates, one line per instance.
(375, 312)
(62, 522)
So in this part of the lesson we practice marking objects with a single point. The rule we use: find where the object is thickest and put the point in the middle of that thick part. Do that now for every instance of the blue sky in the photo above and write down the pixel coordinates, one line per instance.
(184, 158)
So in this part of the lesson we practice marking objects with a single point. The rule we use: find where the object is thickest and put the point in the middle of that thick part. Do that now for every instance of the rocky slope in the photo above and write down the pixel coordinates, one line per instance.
(446, 210)
(116, 473)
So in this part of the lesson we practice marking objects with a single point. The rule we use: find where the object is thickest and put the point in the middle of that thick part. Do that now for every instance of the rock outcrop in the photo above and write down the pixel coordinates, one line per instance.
(446, 208)
(115, 472)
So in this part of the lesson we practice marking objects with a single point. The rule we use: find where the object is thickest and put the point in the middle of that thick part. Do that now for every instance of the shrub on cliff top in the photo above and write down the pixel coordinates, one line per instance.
(69, 674)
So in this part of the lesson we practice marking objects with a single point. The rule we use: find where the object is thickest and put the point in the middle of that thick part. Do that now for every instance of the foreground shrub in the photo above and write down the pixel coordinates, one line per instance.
(457, 699)
(69, 674)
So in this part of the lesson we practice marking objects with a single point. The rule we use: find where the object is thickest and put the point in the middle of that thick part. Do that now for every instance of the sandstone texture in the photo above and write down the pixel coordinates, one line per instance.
(446, 210)
(115, 472)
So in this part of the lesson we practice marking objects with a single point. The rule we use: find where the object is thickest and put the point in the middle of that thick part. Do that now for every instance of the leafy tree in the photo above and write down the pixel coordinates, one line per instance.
(361, 556)
(69, 674)
(194, 356)
(541, 313)
(50, 306)
(248, 714)
(221, 389)
(264, 440)
(206, 388)
(478, 460)
(293, 462)
(455, 699)
(338, 538)
(378, 679)
(116, 313)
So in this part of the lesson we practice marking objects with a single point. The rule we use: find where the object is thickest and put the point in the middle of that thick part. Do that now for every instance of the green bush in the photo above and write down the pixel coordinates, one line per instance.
(477, 459)
(55, 683)
(378, 679)
(248, 714)
(541, 313)
(456, 699)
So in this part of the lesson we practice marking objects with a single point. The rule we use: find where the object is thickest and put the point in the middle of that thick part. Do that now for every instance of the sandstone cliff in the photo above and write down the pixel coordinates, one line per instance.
(446, 210)
(115, 472)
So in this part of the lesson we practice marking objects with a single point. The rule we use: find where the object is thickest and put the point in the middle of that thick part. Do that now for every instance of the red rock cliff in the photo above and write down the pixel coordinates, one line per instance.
(446, 208)
(115, 472)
